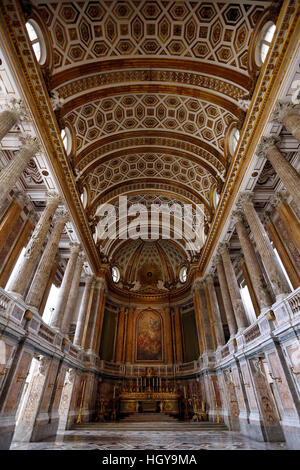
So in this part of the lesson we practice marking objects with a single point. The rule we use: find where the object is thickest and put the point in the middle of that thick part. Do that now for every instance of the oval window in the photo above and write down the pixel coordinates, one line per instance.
(115, 274)
(264, 42)
(66, 139)
(233, 140)
(37, 41)
(183, 274)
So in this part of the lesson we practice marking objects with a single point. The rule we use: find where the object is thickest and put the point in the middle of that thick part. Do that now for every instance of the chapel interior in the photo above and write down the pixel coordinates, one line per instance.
(160, 102)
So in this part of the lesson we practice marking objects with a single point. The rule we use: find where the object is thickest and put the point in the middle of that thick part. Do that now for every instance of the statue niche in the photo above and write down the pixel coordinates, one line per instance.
(149, 336)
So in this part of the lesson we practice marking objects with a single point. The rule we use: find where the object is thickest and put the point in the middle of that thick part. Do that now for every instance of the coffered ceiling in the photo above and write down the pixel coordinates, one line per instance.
(149, 90)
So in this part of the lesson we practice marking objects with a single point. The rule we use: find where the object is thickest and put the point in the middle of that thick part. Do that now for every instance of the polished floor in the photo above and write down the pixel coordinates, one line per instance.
(156, 440)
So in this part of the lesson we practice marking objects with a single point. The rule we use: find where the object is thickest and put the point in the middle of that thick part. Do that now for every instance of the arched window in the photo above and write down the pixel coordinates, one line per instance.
(264, 42)
(115, 273)
(37, 41)
(233, 140)
(67, 139)
(183, 274)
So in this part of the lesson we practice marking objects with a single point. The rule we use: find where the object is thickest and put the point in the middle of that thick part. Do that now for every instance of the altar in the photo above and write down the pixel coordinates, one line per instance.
(155, 402)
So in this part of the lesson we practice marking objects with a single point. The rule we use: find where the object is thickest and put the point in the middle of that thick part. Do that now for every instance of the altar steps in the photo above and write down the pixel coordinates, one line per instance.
(180, 426)
(148, 417)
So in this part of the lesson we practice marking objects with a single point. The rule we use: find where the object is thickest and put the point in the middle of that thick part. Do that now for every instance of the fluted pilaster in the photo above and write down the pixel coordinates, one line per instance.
(215, 311)
(10, 174)
(286, 172)
(13, 112)
(234, 291)
(264, 247)
(20, 282)
(226, 296)
(258, 282)
(39, 283)
(64, 290)
(73, 294)
(83, 310)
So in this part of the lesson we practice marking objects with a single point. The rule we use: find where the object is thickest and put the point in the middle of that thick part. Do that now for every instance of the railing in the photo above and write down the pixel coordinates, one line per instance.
(294, 302)
(225, 352)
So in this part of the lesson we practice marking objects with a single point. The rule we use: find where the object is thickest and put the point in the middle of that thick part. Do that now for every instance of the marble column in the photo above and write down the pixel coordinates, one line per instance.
(289, 176)
(129, 335)
(73, 295)
(288, 115)
(120, 336)
(205, 322)
(100, 314)
(10, 174)
(234, 291)
(257, 279)
(273, 269)
(178, 335)
(226, 296)
(12, 115)
(63, 294)
(279, 202)
(20, 282)
(217, 322)
(83, 310)
(39, 283)
(91, 316)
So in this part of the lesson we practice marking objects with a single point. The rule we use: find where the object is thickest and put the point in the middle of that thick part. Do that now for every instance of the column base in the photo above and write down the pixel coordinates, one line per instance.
(44, 427)
(292, 436)
(7, 429)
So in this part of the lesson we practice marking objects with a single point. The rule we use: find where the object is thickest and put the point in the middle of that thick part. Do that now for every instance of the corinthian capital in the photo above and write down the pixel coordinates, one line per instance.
(75, 247)
(244, 198)
(31, 143)
(17, 107)
(53, 196)
(278, 198)
(265, 144)
(237, 216)
(282, 109)
(61, 215)
(224, 246)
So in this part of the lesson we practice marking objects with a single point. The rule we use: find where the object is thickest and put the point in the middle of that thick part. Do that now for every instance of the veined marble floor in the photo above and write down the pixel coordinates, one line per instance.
(155, 440)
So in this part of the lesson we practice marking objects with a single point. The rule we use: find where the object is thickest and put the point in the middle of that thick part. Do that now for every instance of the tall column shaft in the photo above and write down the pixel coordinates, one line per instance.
(286, 172)
(20, 282)
(64, 290)
(8, 221)
(234, 290)
(72, 297)
(287, 261)
(215, 311)
(91, 319)
(83, 311)
(168, 336)
(264, 247)
(129, 335)
(39, 283)
(291, 222)
(207, 333)
(258, 282)
(198, 319)
(100, 316)
(226, 297)
(178, 335)
(121, 324)
(10, 174)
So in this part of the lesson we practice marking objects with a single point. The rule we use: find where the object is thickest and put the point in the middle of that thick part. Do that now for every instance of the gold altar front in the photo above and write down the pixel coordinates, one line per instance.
(164, 402)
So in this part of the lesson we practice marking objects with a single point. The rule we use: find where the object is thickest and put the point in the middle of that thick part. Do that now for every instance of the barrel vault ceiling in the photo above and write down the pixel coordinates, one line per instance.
(149, 91)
